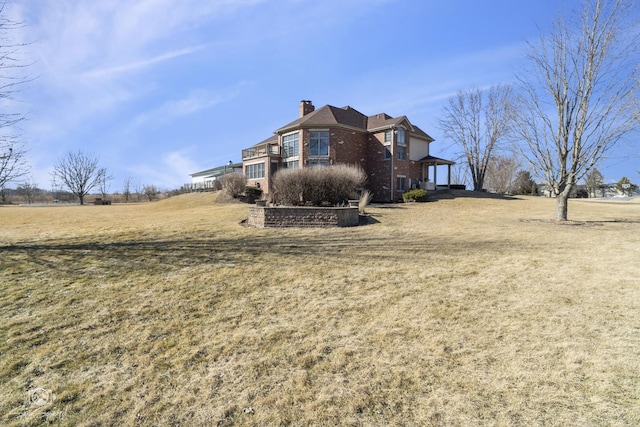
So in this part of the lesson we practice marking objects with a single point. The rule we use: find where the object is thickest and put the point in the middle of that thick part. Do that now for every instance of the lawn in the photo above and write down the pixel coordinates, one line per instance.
(457, 312)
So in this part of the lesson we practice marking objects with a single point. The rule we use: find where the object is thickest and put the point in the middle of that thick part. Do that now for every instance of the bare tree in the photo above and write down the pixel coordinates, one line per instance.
(594, 182)
(28, 189)
(139, 190)
(13, 164)
(104, 183)
(79, 173)
(126, 190)
(501, 173)
(151, 192)
(479, 122)
(578, 95)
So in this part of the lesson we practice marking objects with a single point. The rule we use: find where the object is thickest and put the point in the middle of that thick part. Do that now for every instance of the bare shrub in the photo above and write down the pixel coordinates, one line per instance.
(233, 184)
(333, 185)
(365, 198)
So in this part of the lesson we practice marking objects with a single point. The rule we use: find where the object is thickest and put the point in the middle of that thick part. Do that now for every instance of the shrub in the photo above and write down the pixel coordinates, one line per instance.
(233, 184)
(252, 192)
(333, 185)
(365, 198)
(417, 195)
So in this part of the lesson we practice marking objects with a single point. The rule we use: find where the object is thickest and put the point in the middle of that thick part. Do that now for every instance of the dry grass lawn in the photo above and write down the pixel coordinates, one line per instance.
(462, 311)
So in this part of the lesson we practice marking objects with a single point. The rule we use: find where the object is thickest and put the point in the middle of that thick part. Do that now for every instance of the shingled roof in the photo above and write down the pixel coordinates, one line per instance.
(329, 116)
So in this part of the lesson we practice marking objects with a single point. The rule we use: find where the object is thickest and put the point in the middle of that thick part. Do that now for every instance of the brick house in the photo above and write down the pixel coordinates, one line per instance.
(393, 152)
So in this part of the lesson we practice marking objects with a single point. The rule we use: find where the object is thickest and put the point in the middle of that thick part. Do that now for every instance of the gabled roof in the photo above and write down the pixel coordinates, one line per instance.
(329, 116)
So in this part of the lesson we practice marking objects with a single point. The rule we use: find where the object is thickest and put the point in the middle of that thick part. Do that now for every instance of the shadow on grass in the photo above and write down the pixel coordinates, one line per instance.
(461, 194)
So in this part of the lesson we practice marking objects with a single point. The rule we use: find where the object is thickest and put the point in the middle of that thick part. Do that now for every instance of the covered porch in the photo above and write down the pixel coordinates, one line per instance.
(429, 172)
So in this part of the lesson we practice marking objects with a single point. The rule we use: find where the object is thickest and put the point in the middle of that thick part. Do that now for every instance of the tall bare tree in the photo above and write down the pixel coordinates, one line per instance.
(578, 94)
(13, 163)
(479, 122)
(79, 173)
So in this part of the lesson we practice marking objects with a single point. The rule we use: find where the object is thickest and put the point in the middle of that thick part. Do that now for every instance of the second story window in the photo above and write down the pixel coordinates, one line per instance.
(290, 144)
(318, 143)
(401, 136)
(388, 137)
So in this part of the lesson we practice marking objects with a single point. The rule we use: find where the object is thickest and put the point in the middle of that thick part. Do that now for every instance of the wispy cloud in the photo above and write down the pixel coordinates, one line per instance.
(194, 102)
(143, 63)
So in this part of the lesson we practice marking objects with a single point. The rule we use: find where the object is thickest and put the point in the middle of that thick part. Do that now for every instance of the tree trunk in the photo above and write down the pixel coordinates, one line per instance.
(562, 204)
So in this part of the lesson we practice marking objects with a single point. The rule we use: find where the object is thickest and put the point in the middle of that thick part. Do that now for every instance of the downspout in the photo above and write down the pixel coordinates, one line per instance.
(393, 142)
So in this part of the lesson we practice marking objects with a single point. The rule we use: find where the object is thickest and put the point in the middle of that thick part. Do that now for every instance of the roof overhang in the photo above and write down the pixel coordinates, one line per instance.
(431, 160)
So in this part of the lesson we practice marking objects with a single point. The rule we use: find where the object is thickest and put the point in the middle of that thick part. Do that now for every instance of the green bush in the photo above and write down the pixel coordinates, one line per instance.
(252, 192)
(417, 195)
(333, 185)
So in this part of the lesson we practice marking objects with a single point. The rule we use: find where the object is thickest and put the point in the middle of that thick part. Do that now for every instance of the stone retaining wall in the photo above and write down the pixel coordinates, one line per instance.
(298, 216)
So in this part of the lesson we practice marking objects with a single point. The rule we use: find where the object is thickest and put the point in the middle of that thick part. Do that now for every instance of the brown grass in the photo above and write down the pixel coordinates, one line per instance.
(462, 311)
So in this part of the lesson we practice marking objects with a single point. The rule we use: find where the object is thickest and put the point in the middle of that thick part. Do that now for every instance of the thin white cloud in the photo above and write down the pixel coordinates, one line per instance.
(194, 102)
(106, 72)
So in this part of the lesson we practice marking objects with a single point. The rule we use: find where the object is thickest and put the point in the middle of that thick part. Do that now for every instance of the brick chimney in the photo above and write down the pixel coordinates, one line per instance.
(306, 107)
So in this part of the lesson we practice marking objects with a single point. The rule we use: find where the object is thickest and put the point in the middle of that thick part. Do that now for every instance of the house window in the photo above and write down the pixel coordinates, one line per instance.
(401, 183)
(255, 171)
(401, 134)
(387, 136)
(318, 143)
(318, 163)
(402, 152)
(290, 144)
(292, 164)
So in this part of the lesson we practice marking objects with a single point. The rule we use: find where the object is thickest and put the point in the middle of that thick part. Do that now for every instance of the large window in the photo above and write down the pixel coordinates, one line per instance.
(255, 171)
(293, 164)
(290, 144)
(401, 133)
(318, 143)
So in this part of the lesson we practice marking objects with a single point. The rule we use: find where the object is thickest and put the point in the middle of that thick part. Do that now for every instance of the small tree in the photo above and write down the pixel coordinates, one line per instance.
(79, 173)
(28, 190)
(501, 173)
(150, 191)
(126, 190)
(524, 184)
(594, 182)
(104, 183)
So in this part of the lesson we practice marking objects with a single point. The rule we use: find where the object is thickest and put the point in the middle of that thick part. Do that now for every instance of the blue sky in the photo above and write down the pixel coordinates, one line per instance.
(159, 89)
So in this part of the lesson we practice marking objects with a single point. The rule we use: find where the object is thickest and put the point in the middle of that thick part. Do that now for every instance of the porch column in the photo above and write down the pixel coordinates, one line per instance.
(449, 177)
(435, 175)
